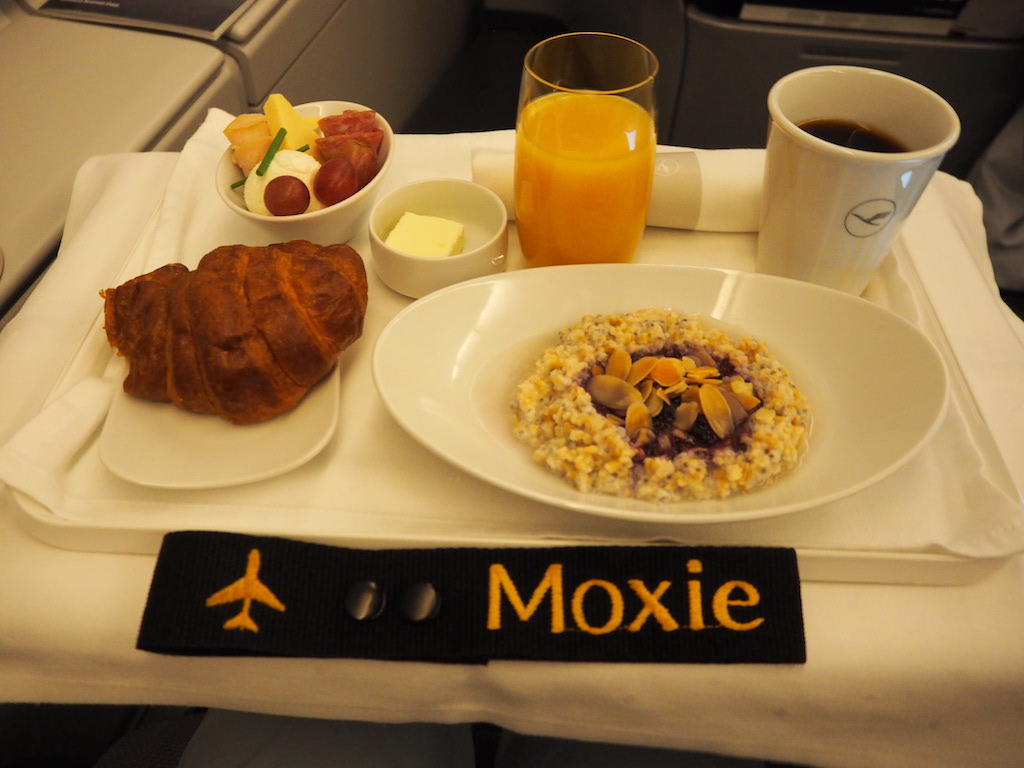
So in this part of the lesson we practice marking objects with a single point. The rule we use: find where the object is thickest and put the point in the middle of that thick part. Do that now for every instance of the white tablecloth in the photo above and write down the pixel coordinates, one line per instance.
(897, 674)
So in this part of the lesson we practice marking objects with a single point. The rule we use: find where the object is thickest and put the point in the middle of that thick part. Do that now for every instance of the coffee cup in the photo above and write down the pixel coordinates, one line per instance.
(850, 151)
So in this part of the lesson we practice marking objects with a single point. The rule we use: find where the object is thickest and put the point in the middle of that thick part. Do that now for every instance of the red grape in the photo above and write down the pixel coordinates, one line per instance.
(286, 196)
(335, 181)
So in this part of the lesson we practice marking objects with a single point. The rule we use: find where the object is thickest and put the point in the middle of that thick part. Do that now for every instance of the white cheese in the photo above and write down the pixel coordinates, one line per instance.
(428, 236)
(287, 162)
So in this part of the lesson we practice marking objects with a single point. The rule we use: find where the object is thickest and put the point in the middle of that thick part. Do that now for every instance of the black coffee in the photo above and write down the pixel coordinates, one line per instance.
(847, 133)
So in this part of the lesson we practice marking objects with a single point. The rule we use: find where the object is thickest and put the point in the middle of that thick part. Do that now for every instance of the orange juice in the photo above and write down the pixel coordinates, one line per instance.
(584, 165)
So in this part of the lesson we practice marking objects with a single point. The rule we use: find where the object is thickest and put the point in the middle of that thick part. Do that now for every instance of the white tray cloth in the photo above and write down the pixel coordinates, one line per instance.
(373, 485)
(69, 617)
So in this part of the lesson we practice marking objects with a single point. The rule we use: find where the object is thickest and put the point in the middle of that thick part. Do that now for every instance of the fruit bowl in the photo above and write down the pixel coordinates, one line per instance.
(337, 223)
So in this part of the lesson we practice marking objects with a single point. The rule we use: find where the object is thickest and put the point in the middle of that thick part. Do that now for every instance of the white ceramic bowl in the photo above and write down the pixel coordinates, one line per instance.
(476, 207)
(337, 223)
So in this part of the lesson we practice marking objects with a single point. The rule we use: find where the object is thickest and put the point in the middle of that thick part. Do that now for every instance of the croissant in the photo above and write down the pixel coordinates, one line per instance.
(246, 334)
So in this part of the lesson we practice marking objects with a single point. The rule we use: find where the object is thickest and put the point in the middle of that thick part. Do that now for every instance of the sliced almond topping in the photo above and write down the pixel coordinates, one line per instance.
(749, 402)
(685, 416)
(703, 358)
(716, 410)
(667, 371)
(703, 372)
(676, 389)
(645, 387)
(739, 413)
(744, 392)
(637, 391)
(654, 402)
(641, 369)
(690, 394)
(638, 420)
(619, 363)
(612, 392)
(644, 436)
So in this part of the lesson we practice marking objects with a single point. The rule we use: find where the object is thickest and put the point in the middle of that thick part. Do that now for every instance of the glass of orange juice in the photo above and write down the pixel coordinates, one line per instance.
(585, 145)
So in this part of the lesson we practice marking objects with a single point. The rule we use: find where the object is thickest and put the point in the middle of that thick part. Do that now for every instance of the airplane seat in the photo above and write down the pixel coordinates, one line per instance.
(157, 743)
(998, 180)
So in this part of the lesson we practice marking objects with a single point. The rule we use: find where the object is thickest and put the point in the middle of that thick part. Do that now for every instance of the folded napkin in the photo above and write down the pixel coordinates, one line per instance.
(715, 190)
(986, 337)
(131, 206)
(114, 200)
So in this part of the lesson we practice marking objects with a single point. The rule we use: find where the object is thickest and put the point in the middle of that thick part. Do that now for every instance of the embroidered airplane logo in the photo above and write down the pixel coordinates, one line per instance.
(246, 589)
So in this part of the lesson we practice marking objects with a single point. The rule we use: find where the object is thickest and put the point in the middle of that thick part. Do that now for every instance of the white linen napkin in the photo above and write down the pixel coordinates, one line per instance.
(986, 337)
(113, 200)
(125, 219)
(714, 190)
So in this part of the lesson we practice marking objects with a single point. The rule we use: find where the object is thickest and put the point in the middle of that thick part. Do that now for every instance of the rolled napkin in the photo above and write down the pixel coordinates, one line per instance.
(713, 190)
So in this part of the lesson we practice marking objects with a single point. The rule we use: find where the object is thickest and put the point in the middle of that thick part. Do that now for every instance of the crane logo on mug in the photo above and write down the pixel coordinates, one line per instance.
(870, 217)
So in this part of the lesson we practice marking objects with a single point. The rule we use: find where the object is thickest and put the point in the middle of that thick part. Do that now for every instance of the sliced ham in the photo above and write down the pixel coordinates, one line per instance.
(349, 121)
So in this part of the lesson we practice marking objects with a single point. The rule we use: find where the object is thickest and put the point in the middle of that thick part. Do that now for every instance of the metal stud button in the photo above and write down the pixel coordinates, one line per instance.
(364, 600)
(419, 602)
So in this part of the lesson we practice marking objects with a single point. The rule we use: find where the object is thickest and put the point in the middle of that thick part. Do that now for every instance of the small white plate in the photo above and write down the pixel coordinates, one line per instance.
(446, 368)
(158, 445)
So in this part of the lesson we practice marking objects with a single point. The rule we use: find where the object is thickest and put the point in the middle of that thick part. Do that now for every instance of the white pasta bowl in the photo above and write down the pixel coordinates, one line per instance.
(477, 208)
(336, 223)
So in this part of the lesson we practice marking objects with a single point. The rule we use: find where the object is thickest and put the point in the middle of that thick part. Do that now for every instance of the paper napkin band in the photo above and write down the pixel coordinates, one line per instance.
(233, 594)
(715, 190)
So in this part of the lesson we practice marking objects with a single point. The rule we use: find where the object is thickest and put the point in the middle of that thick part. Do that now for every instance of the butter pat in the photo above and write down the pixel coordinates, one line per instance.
(428, 236)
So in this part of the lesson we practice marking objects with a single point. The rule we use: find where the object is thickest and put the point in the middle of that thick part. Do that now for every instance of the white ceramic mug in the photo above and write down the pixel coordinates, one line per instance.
(829, 212)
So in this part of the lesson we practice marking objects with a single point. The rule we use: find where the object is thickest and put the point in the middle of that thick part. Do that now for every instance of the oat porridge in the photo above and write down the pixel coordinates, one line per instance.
(656, 406)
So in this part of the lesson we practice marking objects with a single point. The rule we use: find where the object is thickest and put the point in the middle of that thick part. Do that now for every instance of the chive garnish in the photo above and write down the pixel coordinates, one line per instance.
(238, 183)
(274, 146)
(303, 148)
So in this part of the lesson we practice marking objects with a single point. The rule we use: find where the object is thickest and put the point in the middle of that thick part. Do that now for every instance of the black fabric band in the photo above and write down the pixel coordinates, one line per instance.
(232, 594)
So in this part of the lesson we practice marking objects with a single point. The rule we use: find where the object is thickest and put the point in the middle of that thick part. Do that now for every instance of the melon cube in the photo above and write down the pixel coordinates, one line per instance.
(281, 114)
(246, 127)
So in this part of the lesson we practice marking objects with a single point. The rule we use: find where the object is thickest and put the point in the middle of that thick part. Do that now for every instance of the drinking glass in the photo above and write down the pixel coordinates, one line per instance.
(585, 146)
